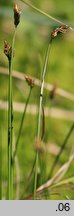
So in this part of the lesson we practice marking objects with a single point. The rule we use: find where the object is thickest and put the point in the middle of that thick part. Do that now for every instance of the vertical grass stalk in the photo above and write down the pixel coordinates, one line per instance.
(9, 52)
(40, 110)
(10, 125)
(21, 125)
(0, 163)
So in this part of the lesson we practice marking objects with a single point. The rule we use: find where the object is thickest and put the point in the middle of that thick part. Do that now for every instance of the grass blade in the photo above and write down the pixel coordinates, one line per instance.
(41, 12)
(45, 14)
(58, 176)
(21, 125)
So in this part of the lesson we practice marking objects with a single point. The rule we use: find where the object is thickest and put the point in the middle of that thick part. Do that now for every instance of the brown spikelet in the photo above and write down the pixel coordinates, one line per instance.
(7, 50)
(16, 15)
(62, 29)
(39, 145)
(30, 81)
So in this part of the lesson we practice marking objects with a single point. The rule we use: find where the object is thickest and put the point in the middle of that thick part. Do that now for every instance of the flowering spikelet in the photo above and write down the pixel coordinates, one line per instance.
(29, 80)
(62, 29)
(7, 50)
(39, 145)
(16, 15)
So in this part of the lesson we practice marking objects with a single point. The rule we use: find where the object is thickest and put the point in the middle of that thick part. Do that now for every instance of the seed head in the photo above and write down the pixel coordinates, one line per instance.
(29, 80)
(62, 29)
(53, 34)
(16, 15)
(7, 50)
(39, 145)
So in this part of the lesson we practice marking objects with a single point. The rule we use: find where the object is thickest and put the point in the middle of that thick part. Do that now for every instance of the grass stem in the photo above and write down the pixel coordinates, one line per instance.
(40, 111)
(0, 163)
(21, 125)
(10, 126)
(45, 14)
(42, 12)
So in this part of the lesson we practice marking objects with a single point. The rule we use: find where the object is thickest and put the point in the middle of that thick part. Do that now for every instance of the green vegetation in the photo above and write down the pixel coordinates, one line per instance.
(39, 145)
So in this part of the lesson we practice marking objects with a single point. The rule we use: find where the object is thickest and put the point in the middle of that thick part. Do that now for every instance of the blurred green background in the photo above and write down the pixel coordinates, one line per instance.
(30, 45)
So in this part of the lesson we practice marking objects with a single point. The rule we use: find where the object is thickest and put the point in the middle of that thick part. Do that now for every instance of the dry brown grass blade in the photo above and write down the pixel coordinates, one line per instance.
(20, 75)
(55, 179)
(58, 176)
(32, 109)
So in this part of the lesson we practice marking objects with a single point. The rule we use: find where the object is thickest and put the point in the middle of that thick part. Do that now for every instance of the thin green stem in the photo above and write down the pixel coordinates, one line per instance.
(45, 14)
(62, 149)
(21, 125)
(10, 126)
(9, 135)
(0, 163)
(42, 12)
(40, 110)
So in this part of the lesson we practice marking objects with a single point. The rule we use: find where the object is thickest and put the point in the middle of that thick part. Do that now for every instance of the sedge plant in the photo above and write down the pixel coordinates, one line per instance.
(54, 33)
(40, 111)
(9, 52)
